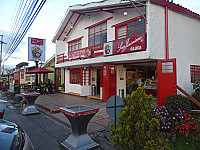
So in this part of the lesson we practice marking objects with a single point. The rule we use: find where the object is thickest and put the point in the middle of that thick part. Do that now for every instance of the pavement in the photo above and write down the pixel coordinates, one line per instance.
(50, 105)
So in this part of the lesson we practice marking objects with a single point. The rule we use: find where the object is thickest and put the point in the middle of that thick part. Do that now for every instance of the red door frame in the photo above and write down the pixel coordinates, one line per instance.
(57, 77)
(167, 82)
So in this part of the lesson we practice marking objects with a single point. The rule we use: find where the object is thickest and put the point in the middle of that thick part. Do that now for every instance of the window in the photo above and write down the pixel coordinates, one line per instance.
(28, 78)
(80, 77)
(130, 28)
(195, 73)
(75, 77)
(75, 45)
(98, 34)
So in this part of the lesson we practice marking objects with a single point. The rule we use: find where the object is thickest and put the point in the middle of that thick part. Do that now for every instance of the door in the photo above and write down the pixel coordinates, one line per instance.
(167, 84)
(58, 78)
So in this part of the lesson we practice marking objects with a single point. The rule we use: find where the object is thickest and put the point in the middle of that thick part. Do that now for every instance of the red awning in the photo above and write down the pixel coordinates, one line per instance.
(40, 70)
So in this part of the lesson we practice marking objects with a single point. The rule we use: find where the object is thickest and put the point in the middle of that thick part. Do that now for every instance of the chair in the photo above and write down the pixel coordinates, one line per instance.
(4, 89)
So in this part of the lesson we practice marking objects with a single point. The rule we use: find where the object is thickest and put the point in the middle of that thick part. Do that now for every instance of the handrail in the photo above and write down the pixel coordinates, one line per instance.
(190, 97)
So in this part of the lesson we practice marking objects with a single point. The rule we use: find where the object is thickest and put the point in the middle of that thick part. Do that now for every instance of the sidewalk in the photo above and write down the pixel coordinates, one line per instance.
(50, 104)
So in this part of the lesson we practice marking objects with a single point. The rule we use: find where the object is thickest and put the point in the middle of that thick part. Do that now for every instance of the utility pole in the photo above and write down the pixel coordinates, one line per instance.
(1, 42)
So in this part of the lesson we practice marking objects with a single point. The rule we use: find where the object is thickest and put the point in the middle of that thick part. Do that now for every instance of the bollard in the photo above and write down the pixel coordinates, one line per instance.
(2, 108)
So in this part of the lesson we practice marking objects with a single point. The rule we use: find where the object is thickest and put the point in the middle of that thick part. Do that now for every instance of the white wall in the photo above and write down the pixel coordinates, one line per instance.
(121, 84)
(156, 31)
(184, 40)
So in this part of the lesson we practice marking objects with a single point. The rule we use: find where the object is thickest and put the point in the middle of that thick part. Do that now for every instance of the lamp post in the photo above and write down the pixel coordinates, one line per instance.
(1, 42)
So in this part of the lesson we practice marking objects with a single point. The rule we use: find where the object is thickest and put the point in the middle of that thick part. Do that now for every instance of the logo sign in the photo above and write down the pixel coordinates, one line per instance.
(130, 44)
(36, 49)
(108, 48)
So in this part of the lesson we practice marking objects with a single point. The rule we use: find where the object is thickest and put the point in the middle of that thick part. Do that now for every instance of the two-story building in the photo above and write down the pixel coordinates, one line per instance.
(111, 47)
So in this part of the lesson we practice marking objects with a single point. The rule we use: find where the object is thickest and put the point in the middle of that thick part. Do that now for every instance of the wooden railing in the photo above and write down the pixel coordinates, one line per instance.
(190, 97)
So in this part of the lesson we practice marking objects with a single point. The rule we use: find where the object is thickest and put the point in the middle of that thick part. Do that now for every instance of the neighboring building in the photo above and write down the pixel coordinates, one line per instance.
(118, 45)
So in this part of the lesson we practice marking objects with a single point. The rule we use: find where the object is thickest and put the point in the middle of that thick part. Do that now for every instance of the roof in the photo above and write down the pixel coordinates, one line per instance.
(50, 60)
(74, 12)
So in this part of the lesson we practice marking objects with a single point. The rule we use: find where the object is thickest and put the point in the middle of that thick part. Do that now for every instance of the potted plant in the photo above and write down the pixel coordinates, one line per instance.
(24, 104)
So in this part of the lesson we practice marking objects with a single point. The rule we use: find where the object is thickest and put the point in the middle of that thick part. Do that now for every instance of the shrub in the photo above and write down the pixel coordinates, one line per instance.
(136, 128)
(175, 102)
(196, 94)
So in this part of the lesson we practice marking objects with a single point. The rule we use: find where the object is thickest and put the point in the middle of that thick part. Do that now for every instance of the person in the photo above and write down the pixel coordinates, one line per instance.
(49, 86)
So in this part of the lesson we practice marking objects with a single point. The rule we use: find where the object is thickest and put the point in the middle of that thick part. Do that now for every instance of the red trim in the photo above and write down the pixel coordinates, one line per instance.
(79, 114)
(98, 23)
(64, 79)
(166, 32)
(72, 28)
(176, 7)
(65, 26)
(75, 39)
(127, 21)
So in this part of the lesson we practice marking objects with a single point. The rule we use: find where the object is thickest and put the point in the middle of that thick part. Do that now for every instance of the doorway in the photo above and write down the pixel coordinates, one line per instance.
(98, 81)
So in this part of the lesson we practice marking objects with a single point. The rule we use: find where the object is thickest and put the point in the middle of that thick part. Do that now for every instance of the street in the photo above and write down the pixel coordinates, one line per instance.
(45, 132)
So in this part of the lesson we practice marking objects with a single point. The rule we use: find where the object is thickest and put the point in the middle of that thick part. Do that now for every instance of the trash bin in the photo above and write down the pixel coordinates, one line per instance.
(93, 90)
(2, 108)
(17, 89)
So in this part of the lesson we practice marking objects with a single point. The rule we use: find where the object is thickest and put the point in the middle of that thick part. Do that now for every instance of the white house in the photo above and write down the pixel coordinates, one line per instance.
(117, 45)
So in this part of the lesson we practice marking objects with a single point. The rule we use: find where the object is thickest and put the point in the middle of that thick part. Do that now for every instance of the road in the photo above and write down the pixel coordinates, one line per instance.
(45, 132)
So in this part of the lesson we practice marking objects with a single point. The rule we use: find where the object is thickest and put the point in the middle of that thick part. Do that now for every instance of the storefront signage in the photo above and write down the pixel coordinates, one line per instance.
(82, 53)
(36, 49)
(130, 44)
(108, 48)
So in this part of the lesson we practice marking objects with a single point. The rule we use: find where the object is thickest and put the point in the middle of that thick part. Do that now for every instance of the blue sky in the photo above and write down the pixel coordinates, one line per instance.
(47, 22)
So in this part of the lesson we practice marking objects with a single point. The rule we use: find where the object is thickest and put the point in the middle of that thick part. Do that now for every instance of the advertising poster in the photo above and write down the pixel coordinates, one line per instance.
(36, 49)
(108, 48)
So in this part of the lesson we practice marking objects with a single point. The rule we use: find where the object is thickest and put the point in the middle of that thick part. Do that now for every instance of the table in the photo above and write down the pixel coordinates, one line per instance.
(30, 99)
(79, 117)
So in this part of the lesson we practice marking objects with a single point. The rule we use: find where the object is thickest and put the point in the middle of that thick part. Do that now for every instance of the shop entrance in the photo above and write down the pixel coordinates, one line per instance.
(141, 75)
(98, 81)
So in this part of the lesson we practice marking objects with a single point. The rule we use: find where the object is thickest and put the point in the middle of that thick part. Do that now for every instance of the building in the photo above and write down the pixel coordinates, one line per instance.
(114, 46)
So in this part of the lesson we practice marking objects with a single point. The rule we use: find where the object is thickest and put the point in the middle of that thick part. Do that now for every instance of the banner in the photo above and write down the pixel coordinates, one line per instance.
(36, 49)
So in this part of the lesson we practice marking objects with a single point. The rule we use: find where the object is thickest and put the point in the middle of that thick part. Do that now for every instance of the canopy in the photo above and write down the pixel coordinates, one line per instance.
(40, 70)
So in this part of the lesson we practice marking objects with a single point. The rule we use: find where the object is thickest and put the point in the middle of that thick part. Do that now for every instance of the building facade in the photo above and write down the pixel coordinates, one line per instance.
(113, 46)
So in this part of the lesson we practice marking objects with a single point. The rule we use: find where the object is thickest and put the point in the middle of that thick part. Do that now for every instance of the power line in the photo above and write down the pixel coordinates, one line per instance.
(26, 14)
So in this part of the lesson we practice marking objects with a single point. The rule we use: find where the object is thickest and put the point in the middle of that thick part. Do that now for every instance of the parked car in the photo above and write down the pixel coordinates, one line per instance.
(13, 137)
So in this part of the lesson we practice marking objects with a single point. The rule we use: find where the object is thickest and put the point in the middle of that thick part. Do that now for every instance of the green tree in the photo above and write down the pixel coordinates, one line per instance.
(137, 129)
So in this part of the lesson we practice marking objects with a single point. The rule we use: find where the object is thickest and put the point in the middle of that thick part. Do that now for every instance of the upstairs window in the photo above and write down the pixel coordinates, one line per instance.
(75, 45)
(130, 28)
(98, 34)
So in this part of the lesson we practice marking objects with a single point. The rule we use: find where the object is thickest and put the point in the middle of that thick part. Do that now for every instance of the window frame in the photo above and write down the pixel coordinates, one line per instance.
(126, 24)
(194, 73)
(73, 43)
(78, 76)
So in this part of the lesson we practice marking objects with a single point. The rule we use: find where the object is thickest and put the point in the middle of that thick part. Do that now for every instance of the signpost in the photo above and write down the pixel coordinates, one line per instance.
(113, 109)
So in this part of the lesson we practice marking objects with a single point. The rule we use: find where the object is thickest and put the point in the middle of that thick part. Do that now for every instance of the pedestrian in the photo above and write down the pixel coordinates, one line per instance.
(49, 86)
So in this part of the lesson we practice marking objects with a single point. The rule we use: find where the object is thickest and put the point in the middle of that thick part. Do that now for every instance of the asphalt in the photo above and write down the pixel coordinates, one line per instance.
(50, 105)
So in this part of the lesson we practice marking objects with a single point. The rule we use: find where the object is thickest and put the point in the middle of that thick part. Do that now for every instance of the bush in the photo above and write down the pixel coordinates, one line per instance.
(174, 103)
(136, 128)
(196, 94)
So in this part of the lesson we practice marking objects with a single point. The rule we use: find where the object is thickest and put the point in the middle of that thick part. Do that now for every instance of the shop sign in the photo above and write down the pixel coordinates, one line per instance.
(121, 74)
(104, 71)
(130, 44)
(36, 49)
(108, 48)
(82, 53)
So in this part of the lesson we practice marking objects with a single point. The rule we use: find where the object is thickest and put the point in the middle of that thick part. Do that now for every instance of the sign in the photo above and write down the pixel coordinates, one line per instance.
(108, 48)
(121, 74)
(130, 44)
(82, 53)
(36, 49)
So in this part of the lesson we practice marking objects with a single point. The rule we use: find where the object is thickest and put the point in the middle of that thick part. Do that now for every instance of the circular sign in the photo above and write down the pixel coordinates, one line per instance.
(108, 136)
(114, 106)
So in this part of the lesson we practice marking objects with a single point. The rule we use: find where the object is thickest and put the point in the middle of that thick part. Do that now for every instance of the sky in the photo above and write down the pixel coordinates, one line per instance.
(47, 23)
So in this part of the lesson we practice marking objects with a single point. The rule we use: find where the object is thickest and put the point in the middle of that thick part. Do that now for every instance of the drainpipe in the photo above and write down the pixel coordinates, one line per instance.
(166, 32)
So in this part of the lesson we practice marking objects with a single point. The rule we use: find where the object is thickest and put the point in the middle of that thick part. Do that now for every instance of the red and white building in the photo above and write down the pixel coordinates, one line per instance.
(118, 45)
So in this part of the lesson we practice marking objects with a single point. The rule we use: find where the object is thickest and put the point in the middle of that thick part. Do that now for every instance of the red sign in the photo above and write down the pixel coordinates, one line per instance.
(82, 53)
(130, 44)
(22, 75)
(36, 41)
